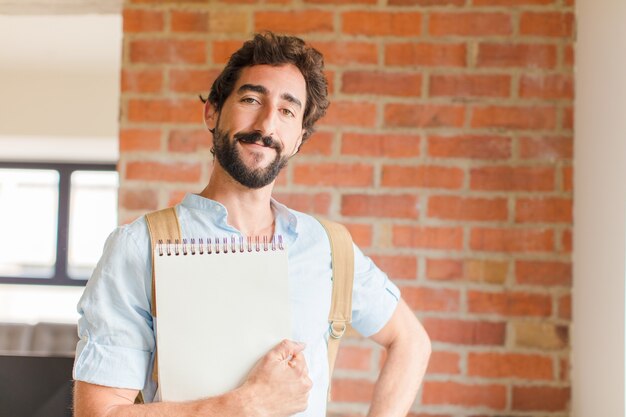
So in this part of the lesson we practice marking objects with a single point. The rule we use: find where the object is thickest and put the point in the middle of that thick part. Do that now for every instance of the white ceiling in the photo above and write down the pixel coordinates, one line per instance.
(59, 6)
(59, 85)
(68, 43)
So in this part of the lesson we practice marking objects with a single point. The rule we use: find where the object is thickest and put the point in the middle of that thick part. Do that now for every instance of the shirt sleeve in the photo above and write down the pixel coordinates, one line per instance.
(374, 296)
(115, 326)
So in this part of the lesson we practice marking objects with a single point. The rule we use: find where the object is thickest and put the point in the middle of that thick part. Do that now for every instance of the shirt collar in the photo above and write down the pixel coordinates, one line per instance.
(286, 221)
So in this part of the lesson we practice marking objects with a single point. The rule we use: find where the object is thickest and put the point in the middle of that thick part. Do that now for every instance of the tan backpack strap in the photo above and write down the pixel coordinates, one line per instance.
(342, 255)
(163, 226)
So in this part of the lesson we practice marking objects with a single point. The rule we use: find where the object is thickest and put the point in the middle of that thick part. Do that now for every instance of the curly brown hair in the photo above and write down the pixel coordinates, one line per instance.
(270, 49)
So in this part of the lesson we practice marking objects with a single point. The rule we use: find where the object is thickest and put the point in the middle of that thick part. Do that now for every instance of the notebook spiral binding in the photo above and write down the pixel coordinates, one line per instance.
(217, 245)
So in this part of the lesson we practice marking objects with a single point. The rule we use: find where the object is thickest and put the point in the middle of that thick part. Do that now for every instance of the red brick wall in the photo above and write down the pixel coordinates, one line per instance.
(447, 150)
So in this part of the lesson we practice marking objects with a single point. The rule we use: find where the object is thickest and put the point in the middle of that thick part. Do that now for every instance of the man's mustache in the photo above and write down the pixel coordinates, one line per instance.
(256, 137)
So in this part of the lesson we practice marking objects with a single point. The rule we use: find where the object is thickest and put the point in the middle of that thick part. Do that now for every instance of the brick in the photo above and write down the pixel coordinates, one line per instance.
(444, 363)
(381, 23)
(320, 143)
(469, 395)
(432, 299)
(162, 51)
(346, 113)
(540, 398)
(318, 203)
(189, 21)
(511, 240)
(164, 110)
(568, 56)
(139, 20)
(543, 24)
(543, 272)
(509, 303)
(566, 241)
(352, 390)
(296, 22)
(470, 85)
(192, 81)
(354, 358)
(380, 145)
(565, 307)
(397, 266)
(425, 176)
(544, 336)
(512, 2)
(428, 237)
(507, 55)
(176, 197)
(426, 54)
(568, 118)
(361, 234)
(189, 140)
(467, 208)
(404, 206)
(549, 87)
(341, 2)
(141, 81)
(514, 117)
(509, 365)
(281, 180)
(347, 53)
(222, 50)
(511, 178)
(138, 199)
(470, 146)
(568, 178)
(229, 22)
(470, 24)
(164, 172)
(565, 367)
(554, 210)
(426, 2)
(140, 140)
(444, 269)
(551, 148)
(488, 271)
(465, 332)
(166, 1)
(382, 83)
(424, 115)
(333, 174)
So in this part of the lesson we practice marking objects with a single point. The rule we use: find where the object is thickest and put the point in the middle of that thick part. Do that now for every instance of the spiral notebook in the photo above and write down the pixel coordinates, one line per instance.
(221, 305)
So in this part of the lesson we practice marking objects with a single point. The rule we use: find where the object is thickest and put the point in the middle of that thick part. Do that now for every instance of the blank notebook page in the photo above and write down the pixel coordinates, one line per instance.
(217, 315)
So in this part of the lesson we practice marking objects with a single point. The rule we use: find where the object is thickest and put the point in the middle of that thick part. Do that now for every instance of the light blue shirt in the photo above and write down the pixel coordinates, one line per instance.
(117, 336)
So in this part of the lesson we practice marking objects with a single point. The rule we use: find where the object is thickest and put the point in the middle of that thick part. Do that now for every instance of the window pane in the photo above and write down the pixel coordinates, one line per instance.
(28, 221)
(93, 215)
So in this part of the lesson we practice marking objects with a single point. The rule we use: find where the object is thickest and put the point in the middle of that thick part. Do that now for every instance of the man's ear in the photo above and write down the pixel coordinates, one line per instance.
(210, 115)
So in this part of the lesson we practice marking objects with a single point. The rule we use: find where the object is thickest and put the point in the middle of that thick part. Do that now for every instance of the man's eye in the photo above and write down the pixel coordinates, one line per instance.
(249, 100)
(288, 112)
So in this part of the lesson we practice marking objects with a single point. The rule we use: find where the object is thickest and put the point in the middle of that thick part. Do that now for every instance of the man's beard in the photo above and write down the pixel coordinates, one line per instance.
(227, 154)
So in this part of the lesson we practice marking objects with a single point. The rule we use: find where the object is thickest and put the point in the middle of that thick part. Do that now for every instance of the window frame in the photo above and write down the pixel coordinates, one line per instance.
(65, 170)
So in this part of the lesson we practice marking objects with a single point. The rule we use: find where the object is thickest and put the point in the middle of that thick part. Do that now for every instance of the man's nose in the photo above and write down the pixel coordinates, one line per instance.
(265, 122)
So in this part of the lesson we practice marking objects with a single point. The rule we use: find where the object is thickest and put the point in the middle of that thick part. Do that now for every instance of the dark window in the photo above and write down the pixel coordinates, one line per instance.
(54, 219)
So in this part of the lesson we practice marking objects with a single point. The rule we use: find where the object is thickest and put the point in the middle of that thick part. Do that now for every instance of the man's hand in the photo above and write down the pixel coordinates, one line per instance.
(279, 384)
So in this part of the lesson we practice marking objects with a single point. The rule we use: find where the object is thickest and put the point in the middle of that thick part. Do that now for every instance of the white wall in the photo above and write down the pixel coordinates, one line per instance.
(599, 210)
(59, 101)
(60, 82)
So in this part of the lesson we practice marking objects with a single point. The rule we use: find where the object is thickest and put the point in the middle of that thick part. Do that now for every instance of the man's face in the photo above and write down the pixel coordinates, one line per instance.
(260, 125)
